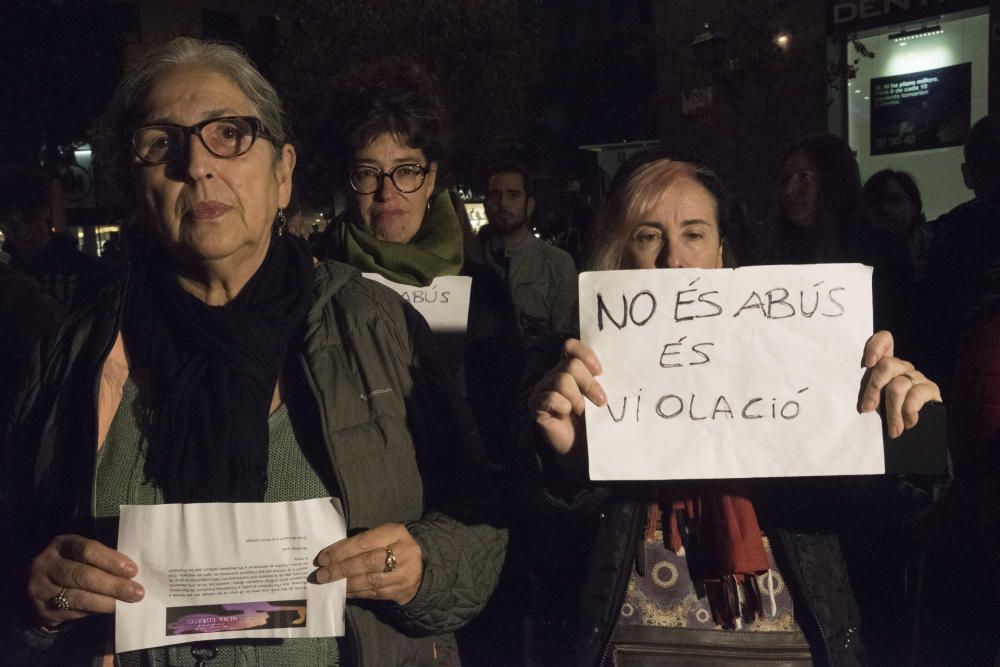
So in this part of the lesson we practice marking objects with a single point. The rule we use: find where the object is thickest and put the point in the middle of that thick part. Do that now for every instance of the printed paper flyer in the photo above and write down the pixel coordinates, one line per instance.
(229, 570)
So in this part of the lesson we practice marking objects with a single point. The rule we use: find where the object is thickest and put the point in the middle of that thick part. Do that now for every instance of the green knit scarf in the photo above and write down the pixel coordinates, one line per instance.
(436, 250)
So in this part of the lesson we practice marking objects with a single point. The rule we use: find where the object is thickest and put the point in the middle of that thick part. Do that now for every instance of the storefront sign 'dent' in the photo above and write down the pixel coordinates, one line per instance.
(848, 16)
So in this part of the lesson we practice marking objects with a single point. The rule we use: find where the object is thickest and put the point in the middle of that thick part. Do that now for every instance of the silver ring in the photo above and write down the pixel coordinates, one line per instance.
(908, 377)
(60, 602)
(390, 560)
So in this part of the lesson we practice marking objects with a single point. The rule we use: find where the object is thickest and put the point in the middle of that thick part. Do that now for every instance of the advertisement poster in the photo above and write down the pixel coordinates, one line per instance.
(921, 110)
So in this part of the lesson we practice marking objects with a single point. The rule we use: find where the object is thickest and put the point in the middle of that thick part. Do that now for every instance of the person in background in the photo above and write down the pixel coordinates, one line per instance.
(721, 542)
(821, 219)
(894, 206)
(540, 278)
(960, 306)
(27, 208)
(957, 261)
(960, 609)
(390, 135)
(228, 366)
(391, 138)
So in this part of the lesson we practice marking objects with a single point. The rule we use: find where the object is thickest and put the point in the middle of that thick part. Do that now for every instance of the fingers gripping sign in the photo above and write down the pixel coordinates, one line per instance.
(384, 563)
(895, 384)
(560, 397)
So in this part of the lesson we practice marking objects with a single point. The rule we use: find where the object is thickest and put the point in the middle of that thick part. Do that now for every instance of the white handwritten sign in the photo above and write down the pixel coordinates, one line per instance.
(751, 372)
(444, 303)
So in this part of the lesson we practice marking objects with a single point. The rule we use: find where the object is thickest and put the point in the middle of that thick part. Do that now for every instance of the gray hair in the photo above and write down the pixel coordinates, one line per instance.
(126, 106)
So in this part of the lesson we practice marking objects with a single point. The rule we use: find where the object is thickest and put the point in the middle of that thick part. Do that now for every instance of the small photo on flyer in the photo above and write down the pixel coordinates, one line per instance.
(198, 619)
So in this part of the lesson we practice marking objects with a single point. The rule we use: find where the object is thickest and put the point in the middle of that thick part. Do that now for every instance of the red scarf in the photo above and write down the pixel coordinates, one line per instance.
(724, 547)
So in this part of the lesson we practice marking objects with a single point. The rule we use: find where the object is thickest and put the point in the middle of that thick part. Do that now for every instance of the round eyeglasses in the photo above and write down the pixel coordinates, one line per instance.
(225, 137)
(366, 180)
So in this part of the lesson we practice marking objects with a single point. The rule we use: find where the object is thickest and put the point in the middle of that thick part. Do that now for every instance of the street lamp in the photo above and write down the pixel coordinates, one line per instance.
(709, 49)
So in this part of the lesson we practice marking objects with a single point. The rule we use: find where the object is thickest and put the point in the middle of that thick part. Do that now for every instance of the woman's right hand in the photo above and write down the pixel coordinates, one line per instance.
(558, 399)
(89, 575)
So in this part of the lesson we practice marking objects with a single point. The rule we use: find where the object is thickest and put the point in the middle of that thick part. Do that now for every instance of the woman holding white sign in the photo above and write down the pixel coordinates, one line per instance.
(684, 568)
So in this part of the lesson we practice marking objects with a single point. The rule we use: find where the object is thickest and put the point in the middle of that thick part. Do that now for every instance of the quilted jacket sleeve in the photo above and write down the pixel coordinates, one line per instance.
(461, 566)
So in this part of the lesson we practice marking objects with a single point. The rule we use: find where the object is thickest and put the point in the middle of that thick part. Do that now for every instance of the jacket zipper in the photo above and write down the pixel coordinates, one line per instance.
(812, 612)
(351, 631)
(622, 584)
(326, 431)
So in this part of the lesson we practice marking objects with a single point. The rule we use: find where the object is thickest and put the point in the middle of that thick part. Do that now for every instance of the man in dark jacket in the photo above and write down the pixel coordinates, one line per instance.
(540, 278)
(959, 256)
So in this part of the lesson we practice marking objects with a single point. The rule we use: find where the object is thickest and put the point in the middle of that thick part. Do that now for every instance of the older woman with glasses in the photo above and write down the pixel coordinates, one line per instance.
(227, 366)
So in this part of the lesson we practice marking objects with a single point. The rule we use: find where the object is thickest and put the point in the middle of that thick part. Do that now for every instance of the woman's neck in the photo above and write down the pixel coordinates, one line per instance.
(217, 282)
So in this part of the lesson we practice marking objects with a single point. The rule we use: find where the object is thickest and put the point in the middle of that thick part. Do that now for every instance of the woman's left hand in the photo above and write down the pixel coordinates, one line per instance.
(383, 563)
(906, 389)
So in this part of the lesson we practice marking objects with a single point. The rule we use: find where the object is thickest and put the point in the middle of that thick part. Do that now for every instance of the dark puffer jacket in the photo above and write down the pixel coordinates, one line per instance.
(365, 380)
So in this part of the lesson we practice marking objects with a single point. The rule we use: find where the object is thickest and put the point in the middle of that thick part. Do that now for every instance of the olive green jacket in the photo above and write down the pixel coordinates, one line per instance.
(399, 450)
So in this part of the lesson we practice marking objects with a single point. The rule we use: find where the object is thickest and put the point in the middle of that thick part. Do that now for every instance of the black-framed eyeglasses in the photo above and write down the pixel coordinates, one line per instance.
(225, 137)
(366, 180)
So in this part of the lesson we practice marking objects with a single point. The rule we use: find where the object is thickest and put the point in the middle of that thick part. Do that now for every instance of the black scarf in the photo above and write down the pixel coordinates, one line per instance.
(207, 373)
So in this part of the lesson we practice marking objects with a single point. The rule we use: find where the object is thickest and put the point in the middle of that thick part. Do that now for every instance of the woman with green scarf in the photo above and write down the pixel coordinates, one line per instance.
(393, 137)
(391, 134)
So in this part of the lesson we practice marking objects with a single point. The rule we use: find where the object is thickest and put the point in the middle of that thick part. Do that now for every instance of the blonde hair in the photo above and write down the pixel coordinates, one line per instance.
(640, 193)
